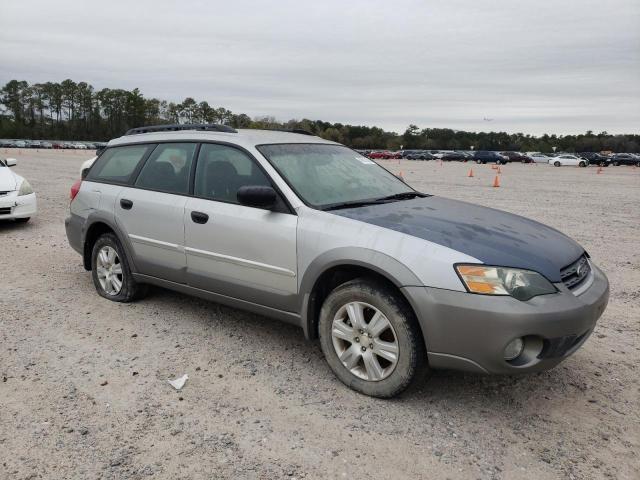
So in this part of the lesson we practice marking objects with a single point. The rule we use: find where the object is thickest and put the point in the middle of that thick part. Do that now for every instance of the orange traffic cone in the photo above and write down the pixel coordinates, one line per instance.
(496, 181)
(470, 174)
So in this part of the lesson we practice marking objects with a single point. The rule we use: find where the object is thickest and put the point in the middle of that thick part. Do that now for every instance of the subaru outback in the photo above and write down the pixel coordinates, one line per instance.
(393, 282)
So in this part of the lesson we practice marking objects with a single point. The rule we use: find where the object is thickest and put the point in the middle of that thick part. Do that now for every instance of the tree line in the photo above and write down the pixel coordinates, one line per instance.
(70, 110)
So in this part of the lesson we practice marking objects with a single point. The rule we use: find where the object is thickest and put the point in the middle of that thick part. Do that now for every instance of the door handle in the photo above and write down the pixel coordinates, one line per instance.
(126, 204)
(199, 217)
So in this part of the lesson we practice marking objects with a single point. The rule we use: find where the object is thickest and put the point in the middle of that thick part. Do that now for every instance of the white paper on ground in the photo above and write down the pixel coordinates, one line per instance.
(178, 383)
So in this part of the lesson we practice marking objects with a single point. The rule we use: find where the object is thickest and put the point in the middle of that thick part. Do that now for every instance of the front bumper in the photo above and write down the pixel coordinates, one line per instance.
(13, 206)
(464, 331)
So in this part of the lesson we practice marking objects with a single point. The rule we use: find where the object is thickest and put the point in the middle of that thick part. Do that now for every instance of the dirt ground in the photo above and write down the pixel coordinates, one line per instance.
(84, 390)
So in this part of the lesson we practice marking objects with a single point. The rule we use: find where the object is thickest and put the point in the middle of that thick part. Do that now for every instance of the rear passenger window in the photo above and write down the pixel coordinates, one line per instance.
(222, 170)
(118, 163)
(168, 167)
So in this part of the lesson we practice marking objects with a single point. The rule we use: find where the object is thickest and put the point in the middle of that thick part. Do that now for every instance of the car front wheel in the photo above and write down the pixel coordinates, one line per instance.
(371, 339)
(556, 164)
(582, 164)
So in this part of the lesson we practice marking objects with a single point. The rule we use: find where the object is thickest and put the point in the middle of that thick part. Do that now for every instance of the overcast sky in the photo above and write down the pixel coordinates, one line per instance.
(529, 66)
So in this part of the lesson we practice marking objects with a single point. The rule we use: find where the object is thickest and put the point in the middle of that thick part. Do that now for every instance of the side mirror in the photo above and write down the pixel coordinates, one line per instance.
(257, 196)
(11, 162)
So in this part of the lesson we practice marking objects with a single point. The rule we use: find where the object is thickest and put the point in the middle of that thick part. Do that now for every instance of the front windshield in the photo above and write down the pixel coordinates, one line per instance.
(325, 175)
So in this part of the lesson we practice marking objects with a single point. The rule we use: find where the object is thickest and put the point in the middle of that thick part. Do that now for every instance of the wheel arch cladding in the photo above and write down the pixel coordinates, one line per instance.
(97, 226)
(338, 266)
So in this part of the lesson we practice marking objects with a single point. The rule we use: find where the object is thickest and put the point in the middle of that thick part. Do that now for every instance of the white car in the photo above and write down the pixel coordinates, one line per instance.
(538, 157)
(86, 165)
(79, 146)
(566, 159)
(17, 199)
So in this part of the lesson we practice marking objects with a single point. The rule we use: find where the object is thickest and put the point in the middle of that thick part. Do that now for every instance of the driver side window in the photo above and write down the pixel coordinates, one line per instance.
(221, 170)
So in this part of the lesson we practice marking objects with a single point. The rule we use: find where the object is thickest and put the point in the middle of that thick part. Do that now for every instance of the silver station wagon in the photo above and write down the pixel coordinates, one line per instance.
(392, 281)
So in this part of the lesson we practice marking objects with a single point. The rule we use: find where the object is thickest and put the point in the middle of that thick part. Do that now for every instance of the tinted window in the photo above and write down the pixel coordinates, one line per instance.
(222, 170)
(118, 163)
(168, 167)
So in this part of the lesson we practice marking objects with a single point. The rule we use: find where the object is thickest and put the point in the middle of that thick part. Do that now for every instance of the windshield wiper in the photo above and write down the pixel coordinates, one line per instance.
(401, 196)
(363, 203)
(375, 201)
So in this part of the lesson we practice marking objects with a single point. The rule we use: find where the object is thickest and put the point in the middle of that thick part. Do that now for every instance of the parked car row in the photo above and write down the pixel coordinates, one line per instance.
(51, 145)
(486, 156)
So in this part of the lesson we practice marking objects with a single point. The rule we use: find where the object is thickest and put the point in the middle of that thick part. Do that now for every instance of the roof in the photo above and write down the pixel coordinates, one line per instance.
(243, 137)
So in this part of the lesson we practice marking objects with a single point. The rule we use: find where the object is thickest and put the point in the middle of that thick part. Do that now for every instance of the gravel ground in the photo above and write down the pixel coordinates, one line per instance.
(84, 390)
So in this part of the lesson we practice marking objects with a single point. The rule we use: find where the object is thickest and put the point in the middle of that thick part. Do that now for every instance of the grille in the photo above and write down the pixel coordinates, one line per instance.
(5, 210)
(574, 274)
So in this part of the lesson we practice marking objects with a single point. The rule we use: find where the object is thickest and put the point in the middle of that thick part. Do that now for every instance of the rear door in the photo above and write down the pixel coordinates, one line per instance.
(151, 211)
(234, 250)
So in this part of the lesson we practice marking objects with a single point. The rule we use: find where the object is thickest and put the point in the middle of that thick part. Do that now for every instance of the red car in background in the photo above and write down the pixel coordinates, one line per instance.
(385, 155)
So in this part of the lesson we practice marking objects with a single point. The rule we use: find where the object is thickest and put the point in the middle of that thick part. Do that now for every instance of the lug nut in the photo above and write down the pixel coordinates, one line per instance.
(357, 339)
(371, 345)
(364, 349)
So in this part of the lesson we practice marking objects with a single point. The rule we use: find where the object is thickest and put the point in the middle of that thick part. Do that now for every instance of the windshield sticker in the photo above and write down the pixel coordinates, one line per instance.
(365, 160)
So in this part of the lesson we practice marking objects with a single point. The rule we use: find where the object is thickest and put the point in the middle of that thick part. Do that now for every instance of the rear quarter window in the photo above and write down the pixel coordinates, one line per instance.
(117, 164)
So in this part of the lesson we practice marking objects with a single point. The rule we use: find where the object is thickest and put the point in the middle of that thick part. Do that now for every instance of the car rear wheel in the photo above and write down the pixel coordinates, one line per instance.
(556, 163)
(615, 164)
(371, 339)
(111, 273)
(582, 164)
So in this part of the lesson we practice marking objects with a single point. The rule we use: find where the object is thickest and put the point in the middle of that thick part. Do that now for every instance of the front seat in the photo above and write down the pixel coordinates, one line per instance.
(221, 181)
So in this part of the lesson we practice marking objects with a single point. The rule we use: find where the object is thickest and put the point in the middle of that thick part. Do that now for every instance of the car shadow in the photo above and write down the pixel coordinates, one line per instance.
(496, 394)
(12, 225)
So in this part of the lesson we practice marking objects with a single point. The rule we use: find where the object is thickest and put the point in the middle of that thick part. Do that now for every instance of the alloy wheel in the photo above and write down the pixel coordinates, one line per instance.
(109, 270)
(365, 341)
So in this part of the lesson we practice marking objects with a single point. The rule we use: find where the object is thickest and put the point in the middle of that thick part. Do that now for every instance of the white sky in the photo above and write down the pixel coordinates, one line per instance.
(531, 66)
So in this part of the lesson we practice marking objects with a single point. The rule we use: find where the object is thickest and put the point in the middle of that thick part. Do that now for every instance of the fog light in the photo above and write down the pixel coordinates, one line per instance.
(513, 349)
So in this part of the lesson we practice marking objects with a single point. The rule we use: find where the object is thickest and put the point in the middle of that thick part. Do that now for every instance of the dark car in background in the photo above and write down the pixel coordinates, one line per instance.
(417, 155)
(454, 157)
(485, 156)
(625, 159)
(595, 158)
(516, 157)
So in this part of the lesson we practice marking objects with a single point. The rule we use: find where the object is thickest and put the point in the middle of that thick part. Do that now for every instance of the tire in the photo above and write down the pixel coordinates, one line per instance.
(129, 289)
(22, 220)
(556, 164)
(637, 164)
(401, 331)
(582, 164)
(615, 164)
(479, 162)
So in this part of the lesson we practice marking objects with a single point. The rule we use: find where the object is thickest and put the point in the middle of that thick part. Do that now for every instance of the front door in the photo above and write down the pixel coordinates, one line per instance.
(234, 250)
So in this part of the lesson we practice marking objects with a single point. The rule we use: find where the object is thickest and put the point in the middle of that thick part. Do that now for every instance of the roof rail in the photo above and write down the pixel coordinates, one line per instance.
(214, 127)
(299, 131)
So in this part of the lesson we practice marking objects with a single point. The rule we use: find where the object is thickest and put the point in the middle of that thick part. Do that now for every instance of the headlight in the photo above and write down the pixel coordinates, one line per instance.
(520, 284)
(25, 188)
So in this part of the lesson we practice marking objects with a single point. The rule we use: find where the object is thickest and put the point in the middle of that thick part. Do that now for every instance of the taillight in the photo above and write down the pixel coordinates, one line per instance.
(75, 188)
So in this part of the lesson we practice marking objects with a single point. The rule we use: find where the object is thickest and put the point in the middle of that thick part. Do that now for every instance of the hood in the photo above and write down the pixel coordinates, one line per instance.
(8, 181)
(492, 236)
